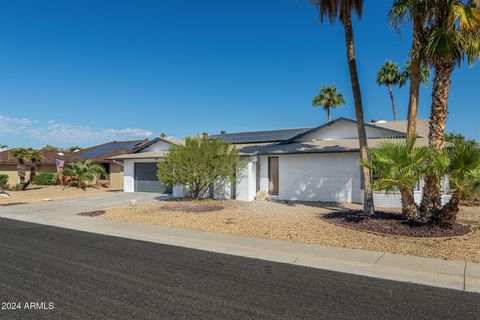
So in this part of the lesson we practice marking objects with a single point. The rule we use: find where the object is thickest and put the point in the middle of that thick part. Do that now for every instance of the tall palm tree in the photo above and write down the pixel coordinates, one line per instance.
(389, 75)
(84, 172)
(342, 10)
(328, 99)
(21, 155)
(453, 28)
(407, 71)
(414, 10)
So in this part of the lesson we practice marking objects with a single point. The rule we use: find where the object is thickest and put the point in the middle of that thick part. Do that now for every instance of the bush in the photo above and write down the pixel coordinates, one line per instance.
(3, 181)
(45, 179)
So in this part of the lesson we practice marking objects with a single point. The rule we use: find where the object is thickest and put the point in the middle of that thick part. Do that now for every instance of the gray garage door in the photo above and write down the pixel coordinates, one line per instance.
(146, 178)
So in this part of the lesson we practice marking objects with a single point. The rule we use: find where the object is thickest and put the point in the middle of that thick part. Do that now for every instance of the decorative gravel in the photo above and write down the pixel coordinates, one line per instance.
(192, 207)
(302, 222)
(392, 224)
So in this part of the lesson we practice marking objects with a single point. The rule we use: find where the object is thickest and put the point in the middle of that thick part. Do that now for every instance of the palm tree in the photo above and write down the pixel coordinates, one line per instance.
(21, 155)
(328, 99)
(453, 33)
(399, 166)
(389, 75)
(84, 172)
(416, 11)
(35, 157)
(407, 71)
(342, 9)
(461, 164)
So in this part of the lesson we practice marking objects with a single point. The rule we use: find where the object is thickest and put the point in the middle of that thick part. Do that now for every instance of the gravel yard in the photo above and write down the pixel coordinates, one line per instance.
(301, 222)
(39, 193)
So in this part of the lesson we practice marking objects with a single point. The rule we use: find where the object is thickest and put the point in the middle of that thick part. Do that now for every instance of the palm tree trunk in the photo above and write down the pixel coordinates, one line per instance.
(328, 115)
(448, 214)
(22, 172)
(432, 193)
(368, 205)
(33, 174)
(393, 102)
(415, 70)
(409, 207)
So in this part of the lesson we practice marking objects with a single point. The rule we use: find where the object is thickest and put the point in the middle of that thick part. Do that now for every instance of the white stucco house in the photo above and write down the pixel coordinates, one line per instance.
(306, 164)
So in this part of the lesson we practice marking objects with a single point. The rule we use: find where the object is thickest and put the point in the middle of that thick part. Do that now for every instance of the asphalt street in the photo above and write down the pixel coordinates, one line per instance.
(54, 273)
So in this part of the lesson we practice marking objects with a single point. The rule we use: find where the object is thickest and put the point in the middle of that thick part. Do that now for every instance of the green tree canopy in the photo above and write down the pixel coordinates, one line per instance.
(49, 147)
(198, 164)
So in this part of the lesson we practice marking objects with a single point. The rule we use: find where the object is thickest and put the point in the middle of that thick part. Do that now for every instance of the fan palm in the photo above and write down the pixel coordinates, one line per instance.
(21, 155)
(342, 10)
(453, 28)
(407, 71)
(463, 172)
(328, 99)
(389, 75)
(35, 158)
(84, 172)
(399, 165)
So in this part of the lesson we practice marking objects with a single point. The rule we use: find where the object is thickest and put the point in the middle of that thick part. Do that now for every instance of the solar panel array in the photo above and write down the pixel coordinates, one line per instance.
(260, 136)
(107, 148)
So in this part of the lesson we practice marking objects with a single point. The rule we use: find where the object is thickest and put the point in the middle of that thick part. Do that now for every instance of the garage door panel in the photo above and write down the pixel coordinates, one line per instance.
(146, 178)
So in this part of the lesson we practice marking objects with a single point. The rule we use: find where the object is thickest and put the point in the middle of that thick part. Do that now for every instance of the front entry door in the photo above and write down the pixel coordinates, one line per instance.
(273, 176)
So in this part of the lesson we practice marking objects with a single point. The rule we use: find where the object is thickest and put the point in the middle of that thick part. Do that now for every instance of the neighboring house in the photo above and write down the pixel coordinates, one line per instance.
(47, 164)
(102, 153)
(307, 164)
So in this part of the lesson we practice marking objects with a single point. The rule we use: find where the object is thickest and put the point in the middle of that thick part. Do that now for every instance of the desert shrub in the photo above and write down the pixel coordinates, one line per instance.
(45, 179)
(3, 181)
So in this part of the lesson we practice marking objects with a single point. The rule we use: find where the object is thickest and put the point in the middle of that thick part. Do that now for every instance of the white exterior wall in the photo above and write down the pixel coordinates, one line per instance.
(157, 147)
(246, 182)
(319, 177)
(129, 173)
(263, 173)
(222, 190)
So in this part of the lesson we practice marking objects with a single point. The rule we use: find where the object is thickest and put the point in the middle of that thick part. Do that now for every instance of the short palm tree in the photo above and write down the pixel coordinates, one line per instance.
(328, 99)
(453, 33)
(84, 172)
(21, 155)
(35, 157)
(389, 75)
(463, 172)
(343, 10)
(398, 166)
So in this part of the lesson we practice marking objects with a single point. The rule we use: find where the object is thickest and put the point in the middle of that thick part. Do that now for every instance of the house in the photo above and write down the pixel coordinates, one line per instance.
(99, 154)
(8, 166)
(305, 164)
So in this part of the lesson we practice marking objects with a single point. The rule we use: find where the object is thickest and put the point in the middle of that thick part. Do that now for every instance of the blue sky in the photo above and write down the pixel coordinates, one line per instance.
(84, 72)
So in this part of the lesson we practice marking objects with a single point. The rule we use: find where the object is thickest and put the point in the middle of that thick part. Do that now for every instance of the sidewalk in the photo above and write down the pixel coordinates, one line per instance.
(457, 275)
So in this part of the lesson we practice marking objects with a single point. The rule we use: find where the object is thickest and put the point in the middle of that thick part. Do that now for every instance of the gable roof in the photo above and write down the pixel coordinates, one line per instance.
(170, 140)
(104, 151)
(292, 139)
(259, 136)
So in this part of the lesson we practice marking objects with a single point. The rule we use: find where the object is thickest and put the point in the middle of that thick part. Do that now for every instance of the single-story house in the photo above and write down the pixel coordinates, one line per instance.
(8, 166)
(306, 164)
(99, 154)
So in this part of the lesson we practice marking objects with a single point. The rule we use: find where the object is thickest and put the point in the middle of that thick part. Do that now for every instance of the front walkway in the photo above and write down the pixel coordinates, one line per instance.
(435, 272)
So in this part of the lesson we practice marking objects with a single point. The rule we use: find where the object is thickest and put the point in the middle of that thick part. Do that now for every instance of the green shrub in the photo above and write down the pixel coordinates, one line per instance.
(3, 181)
(45, 179)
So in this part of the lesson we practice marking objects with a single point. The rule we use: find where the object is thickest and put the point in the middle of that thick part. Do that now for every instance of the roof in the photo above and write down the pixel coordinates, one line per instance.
(423, 126)
(110, 149)
(322, 146)
(49, 157)
(141, 155)
(171, 140)
(259, 136)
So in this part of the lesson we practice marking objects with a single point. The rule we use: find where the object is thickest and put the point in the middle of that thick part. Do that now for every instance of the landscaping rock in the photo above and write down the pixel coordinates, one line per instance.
(262, 196)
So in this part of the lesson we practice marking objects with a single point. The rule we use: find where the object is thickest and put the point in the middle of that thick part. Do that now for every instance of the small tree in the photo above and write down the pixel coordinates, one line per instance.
(21, 155)
(84, 172)
(35, 158)
(198, 164)
(328, 99)
(49, 147)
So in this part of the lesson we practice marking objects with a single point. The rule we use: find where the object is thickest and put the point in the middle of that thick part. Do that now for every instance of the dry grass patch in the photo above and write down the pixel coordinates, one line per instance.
(40, 193)
(301, 222)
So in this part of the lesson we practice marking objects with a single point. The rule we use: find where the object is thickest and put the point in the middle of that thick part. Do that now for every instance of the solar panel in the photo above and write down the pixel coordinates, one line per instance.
(106, 149)
(260, 136)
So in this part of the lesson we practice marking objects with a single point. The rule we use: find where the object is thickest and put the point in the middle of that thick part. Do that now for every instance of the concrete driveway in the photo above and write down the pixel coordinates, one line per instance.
(57, 209)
